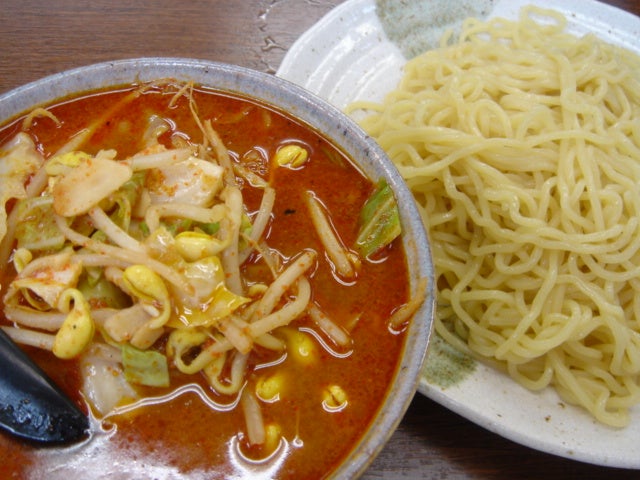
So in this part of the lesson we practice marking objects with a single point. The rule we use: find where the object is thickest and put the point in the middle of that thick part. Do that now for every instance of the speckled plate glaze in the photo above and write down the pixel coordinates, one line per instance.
(338, 129)
(349, 55)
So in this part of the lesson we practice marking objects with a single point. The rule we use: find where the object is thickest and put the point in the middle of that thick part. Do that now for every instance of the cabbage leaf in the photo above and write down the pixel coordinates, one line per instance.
(82, 187)
(145, 367)
(43, 280)
(36, 228)
(193, 181)
(19, 159)
(379, 221)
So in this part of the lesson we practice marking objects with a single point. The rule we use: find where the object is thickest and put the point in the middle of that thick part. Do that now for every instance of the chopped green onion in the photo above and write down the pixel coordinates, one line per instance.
(99, 236)
(144, 228)
(210, 228)
(178, 225)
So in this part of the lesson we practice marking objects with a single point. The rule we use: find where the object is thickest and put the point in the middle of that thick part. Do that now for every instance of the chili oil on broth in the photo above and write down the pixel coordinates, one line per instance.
(199, 433)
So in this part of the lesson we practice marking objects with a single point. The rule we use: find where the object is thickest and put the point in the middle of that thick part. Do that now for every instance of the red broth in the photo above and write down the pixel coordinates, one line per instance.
(198, 433)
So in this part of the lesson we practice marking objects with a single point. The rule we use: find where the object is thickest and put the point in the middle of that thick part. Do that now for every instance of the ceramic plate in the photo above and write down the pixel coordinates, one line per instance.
(348, 56)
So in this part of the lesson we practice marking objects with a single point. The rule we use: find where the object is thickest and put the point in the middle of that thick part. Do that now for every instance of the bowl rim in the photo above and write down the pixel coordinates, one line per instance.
(331, 123)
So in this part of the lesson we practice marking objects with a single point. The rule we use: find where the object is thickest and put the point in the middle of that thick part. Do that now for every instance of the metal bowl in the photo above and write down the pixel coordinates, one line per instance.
(333, 125)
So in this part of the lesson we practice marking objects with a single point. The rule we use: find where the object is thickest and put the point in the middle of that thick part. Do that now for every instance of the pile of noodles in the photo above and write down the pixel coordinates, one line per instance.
(521, 144)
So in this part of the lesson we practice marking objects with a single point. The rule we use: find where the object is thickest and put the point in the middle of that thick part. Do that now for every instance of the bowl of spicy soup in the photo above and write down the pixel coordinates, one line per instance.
(250, 277)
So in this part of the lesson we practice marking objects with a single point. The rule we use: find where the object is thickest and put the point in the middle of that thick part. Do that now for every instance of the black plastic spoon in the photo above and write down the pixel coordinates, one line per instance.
(31, 405)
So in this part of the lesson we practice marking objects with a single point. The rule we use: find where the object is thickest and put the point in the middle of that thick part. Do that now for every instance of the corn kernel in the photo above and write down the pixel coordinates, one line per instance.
(273, 434)
(301, 347)
(334, 398)
(291, 155)
(269, 388)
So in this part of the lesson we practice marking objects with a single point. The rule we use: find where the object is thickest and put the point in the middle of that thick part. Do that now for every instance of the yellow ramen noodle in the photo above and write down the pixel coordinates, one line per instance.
(521, 143)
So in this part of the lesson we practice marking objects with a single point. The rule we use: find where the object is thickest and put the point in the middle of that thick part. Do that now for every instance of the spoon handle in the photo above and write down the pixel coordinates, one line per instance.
(32, 406)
